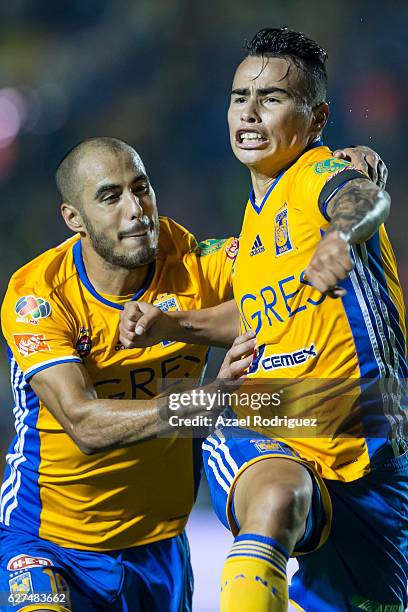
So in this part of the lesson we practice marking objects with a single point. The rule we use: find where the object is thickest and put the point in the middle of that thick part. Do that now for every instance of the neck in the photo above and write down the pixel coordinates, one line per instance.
(111, 279)
(265, 174)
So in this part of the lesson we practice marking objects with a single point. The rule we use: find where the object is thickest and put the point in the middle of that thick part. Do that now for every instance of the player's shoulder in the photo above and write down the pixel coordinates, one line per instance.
(46, 272)
(320, 161)
(174, 239)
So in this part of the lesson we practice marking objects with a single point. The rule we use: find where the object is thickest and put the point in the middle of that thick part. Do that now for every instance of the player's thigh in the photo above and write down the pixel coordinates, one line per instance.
(157, 577)
(229, 453)
(274, 489)
(364, 561)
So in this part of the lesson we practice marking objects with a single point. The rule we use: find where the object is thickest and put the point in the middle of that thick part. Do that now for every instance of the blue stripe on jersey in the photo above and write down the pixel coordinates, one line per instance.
(31, 371)
(388, 361)
(79, 264)
(376, 268)
(259, 208)
(369, 359)
(20, 493)
(376, 279)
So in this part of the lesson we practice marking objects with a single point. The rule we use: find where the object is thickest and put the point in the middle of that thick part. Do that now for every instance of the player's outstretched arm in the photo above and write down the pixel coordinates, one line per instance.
(356, 213)
(144, 325)
(97, 424)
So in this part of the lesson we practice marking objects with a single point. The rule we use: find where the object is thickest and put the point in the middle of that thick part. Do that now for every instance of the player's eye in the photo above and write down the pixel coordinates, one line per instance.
(110, 197)
(141, 188)
(239, 100)
(271, 100)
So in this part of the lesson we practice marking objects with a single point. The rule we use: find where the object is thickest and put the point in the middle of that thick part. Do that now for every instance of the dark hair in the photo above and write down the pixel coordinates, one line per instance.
(304, 52)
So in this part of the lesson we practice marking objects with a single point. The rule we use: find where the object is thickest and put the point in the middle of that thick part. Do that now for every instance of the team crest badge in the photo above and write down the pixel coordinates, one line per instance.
(265, 446)
(21, 584)
(282, 238)
(167, 303)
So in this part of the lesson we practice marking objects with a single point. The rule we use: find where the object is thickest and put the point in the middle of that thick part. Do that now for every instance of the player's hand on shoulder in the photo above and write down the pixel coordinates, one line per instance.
(239, 357)
(330, 264)
(142, 325)
(367, 160)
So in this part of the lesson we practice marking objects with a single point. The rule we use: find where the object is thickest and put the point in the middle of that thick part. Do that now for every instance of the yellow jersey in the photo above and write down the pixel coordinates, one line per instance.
(52, 314)
(350, 353)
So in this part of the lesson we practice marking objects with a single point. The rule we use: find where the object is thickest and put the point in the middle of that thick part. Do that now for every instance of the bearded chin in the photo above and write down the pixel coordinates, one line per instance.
(129, 261)
(107, 249)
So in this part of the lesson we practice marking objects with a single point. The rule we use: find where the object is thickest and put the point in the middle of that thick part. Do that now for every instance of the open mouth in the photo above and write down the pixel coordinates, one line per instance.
(250, 139)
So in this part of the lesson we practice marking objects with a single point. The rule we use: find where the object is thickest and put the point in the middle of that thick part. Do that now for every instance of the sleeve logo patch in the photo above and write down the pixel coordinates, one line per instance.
(30, 309)
(27, 344)
(84, 343)
(210, 246)
(282, 238)
(330, 166)
(231, 250)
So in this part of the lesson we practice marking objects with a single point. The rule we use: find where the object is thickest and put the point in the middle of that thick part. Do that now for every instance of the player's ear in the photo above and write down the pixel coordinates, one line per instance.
(72, 218)
(320, 117)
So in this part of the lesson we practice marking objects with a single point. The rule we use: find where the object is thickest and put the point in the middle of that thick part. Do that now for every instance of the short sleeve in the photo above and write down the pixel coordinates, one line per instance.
(38, 331)
(216, 259)
(316, 183)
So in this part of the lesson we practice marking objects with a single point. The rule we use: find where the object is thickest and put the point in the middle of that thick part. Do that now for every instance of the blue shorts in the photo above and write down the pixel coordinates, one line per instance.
(37, 574)
(360, 561)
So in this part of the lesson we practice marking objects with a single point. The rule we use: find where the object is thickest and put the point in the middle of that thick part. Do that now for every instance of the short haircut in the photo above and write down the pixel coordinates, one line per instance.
(304, 52)
(66, 175)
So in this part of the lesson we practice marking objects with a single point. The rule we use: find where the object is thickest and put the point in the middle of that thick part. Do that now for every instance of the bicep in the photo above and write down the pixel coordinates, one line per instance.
(64, 389)
(359, 193)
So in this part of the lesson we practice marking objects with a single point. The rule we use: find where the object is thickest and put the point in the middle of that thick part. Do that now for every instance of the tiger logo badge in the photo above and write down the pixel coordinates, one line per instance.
(283, 243)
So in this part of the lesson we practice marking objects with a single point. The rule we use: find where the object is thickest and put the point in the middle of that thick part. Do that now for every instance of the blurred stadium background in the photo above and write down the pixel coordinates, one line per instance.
(157, 73)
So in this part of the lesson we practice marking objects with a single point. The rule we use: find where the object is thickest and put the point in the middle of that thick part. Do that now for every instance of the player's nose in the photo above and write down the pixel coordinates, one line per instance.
(133, 207)
(249, 113)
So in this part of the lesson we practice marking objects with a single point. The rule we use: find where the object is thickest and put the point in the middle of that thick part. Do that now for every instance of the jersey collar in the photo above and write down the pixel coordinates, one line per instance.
(79, 264)
(313, 145)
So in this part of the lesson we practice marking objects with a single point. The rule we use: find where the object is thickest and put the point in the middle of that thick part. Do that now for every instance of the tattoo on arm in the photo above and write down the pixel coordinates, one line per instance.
(358, 210)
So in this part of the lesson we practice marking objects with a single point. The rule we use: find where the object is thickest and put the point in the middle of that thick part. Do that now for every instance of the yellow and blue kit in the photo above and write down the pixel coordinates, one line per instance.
(342, 360)
(125, 497)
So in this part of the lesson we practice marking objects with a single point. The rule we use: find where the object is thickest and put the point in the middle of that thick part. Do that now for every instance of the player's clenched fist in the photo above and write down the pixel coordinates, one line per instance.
(330, 264)
(239, 357)
(142, 324)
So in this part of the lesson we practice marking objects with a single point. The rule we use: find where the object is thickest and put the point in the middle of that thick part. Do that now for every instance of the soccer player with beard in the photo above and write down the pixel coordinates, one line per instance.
(316, 283)
(94, 502)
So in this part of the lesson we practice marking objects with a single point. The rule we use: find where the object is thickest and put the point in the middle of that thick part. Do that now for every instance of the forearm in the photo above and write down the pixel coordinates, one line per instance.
(103, 424)
(216, 326)
(358, 210)
(100, 424)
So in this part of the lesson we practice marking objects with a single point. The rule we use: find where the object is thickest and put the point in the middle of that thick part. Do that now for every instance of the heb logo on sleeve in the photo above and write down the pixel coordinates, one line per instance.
(21, 562)
(27, 344)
